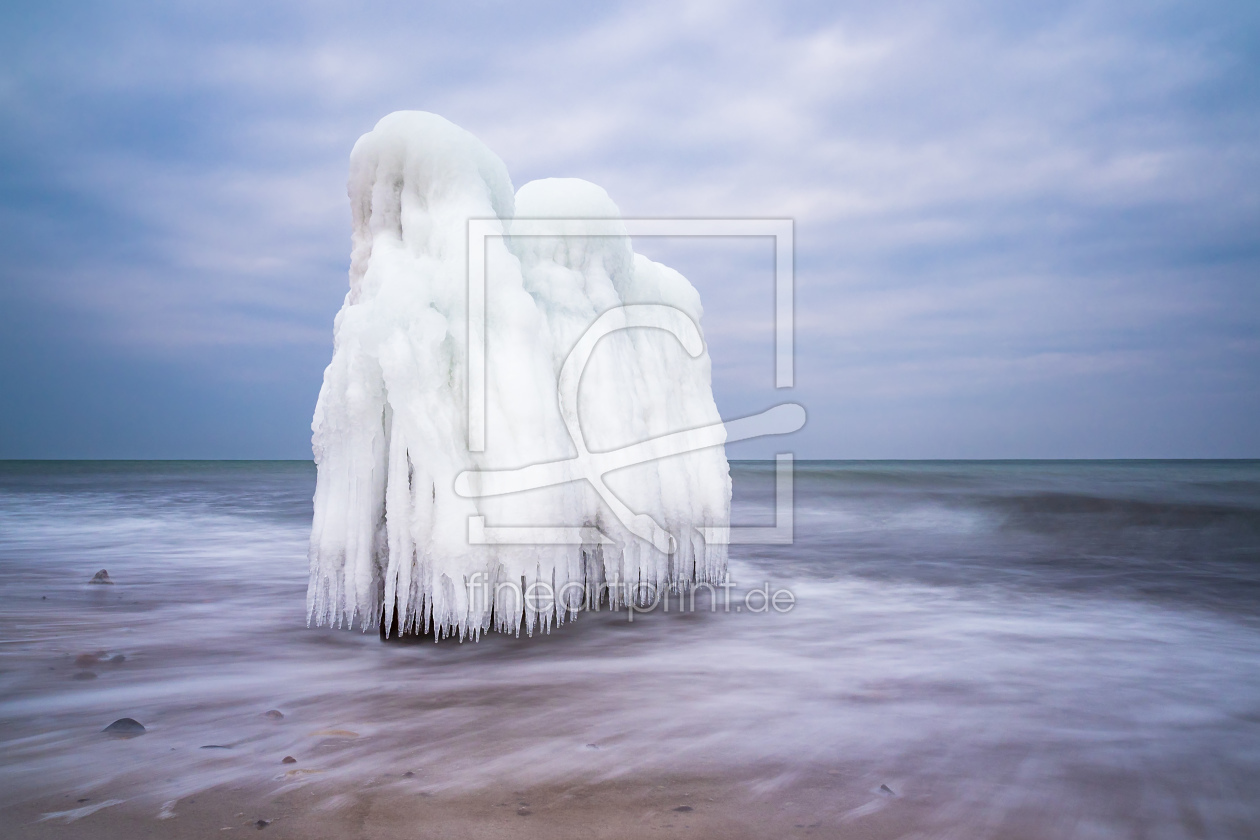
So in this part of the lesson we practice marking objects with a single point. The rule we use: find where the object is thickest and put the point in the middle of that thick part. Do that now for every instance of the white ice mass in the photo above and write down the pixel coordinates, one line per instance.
(401, 504)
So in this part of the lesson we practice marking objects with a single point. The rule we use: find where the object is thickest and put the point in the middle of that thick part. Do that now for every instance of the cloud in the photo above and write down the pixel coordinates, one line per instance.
(1064, 195)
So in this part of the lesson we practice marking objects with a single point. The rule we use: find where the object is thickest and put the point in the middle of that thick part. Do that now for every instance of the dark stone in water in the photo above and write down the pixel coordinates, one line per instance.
(85, 675)
(125, 728)
(684, 809)
(274, 714)
(215, 747)
(118, 659)
(886, 789)
(86, 660)
(288, 759)
(592, 747)
(101, 577)
(408, 775)
(261, 824)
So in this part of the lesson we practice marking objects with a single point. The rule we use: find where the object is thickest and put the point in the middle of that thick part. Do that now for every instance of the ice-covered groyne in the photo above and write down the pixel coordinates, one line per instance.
(588, 348)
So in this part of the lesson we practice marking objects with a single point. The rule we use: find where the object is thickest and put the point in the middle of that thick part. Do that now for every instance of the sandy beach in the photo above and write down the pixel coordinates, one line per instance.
(664, 805)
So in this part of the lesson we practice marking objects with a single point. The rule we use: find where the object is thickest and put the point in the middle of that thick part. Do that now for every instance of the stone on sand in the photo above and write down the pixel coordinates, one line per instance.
(125, 728)
(101, 577)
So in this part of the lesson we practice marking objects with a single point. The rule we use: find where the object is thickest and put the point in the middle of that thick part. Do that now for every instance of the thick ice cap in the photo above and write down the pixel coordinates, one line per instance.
(438, 158)
(573, 199)
(564, 198)
(417, 178)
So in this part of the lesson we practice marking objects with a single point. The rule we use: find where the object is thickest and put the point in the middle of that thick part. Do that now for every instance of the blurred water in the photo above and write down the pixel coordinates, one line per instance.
(1072, 645)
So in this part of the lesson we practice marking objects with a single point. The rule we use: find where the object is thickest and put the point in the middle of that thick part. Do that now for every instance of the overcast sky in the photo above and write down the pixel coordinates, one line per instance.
(1023, 230)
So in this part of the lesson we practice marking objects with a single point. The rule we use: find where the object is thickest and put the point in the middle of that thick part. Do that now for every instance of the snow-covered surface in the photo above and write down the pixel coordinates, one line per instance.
(391, 535)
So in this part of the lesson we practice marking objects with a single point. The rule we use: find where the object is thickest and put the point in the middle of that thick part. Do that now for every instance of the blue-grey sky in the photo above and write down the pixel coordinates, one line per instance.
(1024, 230)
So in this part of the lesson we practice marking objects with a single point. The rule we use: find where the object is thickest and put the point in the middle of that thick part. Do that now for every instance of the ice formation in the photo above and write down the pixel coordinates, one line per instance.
(391, 540)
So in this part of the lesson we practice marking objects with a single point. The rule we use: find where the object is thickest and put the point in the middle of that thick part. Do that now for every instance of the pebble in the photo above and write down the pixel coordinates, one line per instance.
(118, 659)
(886, 789)
(85, 675)
(101, 577)
(215, 747)
(592, 747)
(408, 775)
(261, 824)
(684, 809)
(288, 759)
(523, 812)
(125, 728)
(274, 714)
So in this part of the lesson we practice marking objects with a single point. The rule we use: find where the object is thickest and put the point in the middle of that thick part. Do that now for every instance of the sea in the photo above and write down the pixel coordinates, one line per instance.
(1003, 648)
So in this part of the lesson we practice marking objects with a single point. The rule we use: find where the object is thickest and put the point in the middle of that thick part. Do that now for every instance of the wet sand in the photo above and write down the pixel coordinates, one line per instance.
(391, 806)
